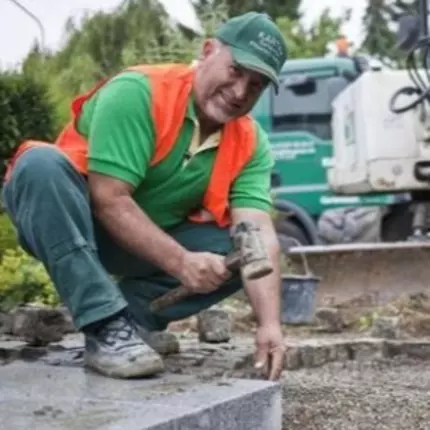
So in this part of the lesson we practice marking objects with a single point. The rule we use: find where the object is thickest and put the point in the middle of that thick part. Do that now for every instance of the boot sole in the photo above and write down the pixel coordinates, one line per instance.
(134, 369)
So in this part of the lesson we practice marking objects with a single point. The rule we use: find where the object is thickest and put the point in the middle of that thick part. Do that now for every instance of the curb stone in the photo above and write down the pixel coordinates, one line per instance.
(196, 357)
(317, 352)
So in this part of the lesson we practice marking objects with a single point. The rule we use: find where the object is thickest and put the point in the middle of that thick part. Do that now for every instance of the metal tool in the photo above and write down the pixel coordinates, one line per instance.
(249, 257)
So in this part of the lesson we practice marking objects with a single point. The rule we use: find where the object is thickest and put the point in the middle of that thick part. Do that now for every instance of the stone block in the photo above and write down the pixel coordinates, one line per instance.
(11, 350)
(164, 342)
(411, 348)
(365, 349)
(214, 325)
(40, 325)
(341, 351)
(292, 358)
(5, 323)
(386, 327)
(314, 355)
(329, 320)
(62, 398)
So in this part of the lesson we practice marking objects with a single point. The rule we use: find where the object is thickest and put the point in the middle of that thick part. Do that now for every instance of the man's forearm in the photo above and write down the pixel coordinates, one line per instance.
(135, 231)
(264, 294)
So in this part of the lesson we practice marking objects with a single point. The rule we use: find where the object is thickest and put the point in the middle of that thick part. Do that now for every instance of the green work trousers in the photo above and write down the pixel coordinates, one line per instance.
(48, 202)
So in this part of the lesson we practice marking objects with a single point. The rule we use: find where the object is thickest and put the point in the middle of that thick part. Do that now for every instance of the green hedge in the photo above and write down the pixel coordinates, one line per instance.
(24, 280)
(25, 113)
(8, 239)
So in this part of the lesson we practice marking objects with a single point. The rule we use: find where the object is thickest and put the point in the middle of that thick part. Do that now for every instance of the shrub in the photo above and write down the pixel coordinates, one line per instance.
(25, 113)
(24, 280)
(8, 238)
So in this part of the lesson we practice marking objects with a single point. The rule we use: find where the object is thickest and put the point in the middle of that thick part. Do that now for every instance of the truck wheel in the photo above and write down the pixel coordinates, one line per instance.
(290, 234)
(397, 224)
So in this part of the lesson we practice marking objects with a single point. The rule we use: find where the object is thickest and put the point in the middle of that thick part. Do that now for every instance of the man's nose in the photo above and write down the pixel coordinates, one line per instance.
(240, 88)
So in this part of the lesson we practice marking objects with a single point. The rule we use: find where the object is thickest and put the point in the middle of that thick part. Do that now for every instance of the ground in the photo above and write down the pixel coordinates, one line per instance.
(376, 394)
(372, 392)
(344, 380)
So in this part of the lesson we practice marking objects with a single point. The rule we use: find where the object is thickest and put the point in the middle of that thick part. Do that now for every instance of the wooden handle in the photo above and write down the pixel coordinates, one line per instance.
(169, 299)
(232, 262)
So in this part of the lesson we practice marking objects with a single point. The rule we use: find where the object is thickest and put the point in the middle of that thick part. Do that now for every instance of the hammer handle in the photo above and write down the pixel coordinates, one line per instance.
(232, 263)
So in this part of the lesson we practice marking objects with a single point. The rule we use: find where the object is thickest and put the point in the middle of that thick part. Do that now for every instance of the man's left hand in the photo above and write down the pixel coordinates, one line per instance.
(270, 351)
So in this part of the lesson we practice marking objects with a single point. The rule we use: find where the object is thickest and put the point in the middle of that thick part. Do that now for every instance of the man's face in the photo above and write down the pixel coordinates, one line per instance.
(223, 89)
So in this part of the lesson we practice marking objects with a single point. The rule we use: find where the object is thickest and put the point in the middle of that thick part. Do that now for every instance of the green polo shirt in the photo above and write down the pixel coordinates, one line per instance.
(118, 125)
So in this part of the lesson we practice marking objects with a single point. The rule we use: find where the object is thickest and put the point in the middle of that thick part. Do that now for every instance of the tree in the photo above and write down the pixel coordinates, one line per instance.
(379, 24)
(274, 8)
(315, 41)
(98, 47)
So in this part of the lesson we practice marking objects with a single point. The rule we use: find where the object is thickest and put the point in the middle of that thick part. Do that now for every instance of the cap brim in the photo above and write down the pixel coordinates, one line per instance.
(251, 62)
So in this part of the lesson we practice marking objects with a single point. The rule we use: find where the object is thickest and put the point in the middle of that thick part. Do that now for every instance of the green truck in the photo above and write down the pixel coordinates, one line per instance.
(298, 123)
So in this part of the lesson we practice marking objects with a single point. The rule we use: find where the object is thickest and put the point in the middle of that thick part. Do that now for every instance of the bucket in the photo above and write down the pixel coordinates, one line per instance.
(299, 296)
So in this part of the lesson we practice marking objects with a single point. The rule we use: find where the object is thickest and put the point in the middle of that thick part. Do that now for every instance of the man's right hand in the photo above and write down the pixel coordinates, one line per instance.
(203, 272)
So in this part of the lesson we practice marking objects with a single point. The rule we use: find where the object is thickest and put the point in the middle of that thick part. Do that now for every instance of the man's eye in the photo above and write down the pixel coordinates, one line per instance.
(257, 86)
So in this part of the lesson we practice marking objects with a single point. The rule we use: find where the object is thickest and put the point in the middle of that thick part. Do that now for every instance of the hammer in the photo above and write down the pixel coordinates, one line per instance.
(249, 257)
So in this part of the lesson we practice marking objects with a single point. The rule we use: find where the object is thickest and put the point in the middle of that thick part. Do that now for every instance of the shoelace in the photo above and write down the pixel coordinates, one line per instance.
(118, 329)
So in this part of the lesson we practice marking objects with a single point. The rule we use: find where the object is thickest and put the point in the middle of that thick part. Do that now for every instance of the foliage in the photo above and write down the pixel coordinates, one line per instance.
(8, 238)
(25, 112)
(379, 24)
(24, 280)
(274, 8)
(315, 41)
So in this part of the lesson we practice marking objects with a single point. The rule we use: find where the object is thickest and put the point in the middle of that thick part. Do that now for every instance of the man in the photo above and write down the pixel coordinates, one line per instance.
(145, 183)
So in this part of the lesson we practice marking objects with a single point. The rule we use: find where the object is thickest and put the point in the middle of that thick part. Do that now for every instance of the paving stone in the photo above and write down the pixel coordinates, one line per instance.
(292, 358)
(53, 398)
(5, 323)
(329, 320)
(164, 343)
(410, 348)
(40, 325)
(386, 327)
(314, 355)
(364, 349)
(214, 325)
(10, 350)
(341, 351)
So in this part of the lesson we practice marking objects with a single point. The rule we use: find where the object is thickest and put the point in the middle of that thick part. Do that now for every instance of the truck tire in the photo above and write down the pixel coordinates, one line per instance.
(397, 224)
(292, 213)
(290, 234)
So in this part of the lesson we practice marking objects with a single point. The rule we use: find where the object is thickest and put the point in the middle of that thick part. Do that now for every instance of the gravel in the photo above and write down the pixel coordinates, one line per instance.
(373, 395)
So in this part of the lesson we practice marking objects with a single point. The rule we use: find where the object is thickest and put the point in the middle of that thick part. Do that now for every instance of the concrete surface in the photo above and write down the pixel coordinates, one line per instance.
(42, 397)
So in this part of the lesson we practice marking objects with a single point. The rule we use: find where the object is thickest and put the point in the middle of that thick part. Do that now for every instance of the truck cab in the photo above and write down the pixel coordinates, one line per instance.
(298, 121)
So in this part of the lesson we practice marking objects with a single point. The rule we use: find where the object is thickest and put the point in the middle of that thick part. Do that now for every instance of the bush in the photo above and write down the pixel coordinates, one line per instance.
(25, 113)
(24, 280)
(8, 237)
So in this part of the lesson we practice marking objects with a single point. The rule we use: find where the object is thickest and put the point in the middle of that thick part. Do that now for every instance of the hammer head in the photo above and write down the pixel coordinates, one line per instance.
(250, 251)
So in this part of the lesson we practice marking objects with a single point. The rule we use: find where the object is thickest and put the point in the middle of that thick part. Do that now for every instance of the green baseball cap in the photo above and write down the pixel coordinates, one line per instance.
(256, 43)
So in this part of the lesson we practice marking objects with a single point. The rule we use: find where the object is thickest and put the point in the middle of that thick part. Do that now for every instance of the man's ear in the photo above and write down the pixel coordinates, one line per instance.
(209, 48)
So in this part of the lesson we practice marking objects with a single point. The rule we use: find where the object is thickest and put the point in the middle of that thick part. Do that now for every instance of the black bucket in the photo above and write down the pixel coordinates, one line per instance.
(299, 296)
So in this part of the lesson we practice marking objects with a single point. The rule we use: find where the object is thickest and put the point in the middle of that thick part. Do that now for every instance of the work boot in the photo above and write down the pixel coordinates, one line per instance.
(114, 348)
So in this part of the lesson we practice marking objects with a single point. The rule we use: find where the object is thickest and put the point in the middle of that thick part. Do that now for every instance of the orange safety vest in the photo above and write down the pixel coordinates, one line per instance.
(171, 86)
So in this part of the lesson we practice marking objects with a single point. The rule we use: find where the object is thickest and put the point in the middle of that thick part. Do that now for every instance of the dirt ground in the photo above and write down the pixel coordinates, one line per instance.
(377, 395)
